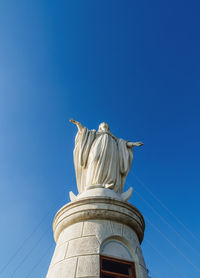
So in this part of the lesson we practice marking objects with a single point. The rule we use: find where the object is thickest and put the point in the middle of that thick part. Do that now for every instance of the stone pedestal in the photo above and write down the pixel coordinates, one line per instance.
(94, 225)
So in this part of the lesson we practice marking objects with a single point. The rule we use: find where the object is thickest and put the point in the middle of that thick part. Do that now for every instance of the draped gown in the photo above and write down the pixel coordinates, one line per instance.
(101, 159)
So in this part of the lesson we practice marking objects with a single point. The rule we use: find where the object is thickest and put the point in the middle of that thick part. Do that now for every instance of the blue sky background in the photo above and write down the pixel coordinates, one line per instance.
(134, 64)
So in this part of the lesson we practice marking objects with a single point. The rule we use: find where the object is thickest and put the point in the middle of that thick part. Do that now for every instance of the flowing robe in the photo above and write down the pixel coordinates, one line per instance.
(100, 159)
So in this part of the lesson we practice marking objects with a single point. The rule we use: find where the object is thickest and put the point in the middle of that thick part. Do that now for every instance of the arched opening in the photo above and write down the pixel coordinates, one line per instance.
(115, 247)
(116, 260)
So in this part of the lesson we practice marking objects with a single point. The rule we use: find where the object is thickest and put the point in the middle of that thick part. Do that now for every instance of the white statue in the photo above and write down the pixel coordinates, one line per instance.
(101, 159)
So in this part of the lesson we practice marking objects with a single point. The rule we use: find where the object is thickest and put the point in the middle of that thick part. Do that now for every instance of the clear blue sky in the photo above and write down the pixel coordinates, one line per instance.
(134, 64)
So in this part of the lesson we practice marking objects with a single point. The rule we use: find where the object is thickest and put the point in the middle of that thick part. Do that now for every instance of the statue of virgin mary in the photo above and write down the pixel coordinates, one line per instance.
(101, 159)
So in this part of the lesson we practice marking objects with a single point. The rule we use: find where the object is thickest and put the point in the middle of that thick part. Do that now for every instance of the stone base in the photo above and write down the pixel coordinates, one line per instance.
(88, 227)
(94, 191)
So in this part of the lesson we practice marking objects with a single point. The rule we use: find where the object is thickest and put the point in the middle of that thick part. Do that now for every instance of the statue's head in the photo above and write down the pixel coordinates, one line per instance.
(103, 127)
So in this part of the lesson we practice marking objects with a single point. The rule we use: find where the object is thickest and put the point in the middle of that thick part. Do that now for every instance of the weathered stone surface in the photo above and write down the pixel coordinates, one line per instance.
(71, 232)
(141, 272)
(144, 272)
(98, 209)
(140, 256)
(83, 246)
(116, 249)
(63, 269)
(59, 253)
(94, 192)
(99, 228)
(131, 236)
(117, 228)
(88, 266)
(81, 228)
(103, 192)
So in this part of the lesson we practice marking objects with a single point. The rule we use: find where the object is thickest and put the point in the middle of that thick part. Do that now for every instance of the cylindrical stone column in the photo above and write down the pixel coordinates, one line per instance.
(88, 227)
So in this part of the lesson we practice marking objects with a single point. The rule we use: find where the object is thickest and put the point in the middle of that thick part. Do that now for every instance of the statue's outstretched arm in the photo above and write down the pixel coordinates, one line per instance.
(79, 125)
(134, 144)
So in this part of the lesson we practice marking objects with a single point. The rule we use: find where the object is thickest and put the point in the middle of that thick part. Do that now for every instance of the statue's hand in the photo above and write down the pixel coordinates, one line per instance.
(79, 125)
(134, 144)
(72, 121)
(138, 144)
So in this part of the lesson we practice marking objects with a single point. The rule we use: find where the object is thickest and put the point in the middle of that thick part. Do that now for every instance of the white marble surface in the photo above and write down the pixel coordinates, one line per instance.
(101, 192)
(101, 159)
